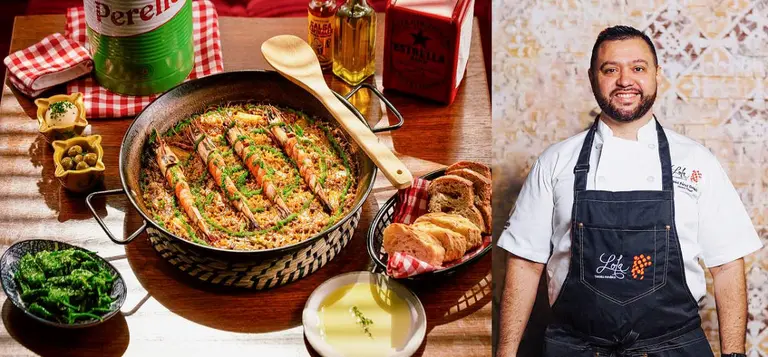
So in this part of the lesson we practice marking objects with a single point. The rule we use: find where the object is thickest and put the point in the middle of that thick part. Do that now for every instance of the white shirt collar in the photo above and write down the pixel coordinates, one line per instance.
(645, 135)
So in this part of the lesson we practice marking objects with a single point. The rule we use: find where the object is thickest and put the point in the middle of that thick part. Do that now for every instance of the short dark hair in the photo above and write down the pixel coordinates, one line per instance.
(617, 33)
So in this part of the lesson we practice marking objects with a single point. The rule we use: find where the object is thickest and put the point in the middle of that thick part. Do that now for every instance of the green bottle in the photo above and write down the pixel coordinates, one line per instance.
(140, 47)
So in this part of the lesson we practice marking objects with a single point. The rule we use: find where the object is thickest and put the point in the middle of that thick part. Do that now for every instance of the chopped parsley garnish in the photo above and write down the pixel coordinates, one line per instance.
(152, 137)
(292, 186)
(298, 130)
(178, 127)
(59, 108)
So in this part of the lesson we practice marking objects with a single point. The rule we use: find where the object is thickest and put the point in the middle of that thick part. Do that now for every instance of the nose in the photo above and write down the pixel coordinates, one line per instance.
(625, 79)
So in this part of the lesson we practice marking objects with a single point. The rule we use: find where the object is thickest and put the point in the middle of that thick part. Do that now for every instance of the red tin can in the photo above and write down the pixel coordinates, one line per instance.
(426, 46)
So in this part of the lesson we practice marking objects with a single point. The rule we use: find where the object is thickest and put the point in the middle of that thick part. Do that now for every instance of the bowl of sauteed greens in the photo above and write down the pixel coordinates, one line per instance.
(60, 284)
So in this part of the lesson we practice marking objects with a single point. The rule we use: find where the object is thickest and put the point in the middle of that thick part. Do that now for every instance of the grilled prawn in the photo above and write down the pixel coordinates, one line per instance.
(289, 143)
(168, 162)
(213, 160)
(237, 139)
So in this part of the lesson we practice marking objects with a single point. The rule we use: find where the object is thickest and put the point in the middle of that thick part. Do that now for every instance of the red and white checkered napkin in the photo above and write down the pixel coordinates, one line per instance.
(412, 203)
(50, 62)
(101, 103)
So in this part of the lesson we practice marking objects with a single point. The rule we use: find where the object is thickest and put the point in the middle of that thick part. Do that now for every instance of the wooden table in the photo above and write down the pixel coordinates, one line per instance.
(176, 315)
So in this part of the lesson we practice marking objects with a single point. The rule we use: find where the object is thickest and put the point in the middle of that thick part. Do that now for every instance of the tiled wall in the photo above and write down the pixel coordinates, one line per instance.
(714, 58)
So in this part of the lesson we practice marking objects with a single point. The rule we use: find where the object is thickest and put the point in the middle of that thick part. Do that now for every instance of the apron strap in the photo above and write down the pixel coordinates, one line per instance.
(582, 164)
(581, 169)
(665, 157)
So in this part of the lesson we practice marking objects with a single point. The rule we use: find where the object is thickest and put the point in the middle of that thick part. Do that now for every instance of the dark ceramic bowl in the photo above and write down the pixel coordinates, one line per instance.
(9, 264)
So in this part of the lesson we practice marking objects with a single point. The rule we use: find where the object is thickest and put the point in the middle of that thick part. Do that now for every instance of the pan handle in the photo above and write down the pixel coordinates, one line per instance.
(345, 99)
(101, 222)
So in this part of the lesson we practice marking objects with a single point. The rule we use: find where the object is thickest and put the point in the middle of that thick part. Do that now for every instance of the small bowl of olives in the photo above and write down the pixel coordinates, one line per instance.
(78, 162)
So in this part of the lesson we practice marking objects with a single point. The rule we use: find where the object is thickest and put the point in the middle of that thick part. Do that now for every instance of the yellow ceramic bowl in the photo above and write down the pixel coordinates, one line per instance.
(61, 132)
(79, 180)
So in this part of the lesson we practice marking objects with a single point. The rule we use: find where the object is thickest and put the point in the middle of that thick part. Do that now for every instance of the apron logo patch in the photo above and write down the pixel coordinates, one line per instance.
(695, 176)
(613, 265)
(640, 262)
(685, 182)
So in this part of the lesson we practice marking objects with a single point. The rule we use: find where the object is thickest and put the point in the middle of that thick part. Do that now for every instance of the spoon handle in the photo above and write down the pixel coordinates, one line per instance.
(295, 60)
(394, 169)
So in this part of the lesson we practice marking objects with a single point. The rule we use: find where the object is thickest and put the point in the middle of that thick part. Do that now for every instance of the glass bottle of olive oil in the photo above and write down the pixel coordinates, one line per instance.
(354, 41)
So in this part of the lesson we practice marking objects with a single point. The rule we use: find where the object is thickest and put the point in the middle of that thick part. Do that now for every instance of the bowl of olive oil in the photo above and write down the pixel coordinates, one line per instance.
(363, 314)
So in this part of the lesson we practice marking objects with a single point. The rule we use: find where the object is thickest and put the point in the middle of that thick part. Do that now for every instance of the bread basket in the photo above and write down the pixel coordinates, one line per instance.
(383, 219)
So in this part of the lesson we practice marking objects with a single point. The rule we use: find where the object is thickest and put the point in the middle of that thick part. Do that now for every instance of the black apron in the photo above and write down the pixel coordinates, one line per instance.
(625, 293)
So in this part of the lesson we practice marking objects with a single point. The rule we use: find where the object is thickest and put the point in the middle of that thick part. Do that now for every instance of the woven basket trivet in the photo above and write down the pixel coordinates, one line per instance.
(259, 275)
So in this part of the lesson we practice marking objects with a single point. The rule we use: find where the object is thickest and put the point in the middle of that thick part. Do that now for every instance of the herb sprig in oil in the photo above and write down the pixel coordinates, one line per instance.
(362, 321)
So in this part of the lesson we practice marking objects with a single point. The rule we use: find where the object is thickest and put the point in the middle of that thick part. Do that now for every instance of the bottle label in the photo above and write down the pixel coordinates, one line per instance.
(120, 18)
(420, 53)
(321, 37)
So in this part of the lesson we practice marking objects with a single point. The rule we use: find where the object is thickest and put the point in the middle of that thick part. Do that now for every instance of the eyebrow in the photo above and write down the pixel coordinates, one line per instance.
(617, 63)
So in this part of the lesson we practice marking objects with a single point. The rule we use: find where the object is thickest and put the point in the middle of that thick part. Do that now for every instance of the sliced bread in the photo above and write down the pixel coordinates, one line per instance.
(400, 237)
(474, 166)
(482, 189)
(455, 244)
(455, 223)
(454, 194)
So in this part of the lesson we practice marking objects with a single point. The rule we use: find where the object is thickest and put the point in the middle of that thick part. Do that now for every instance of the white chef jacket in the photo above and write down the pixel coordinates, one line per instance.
(711, 221)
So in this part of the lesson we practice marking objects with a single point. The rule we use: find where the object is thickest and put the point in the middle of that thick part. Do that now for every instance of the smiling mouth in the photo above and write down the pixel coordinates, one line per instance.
(626, 98)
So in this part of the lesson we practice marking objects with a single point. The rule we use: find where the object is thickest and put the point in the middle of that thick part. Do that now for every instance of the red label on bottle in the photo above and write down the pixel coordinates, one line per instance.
(320, 29)
(321, 38)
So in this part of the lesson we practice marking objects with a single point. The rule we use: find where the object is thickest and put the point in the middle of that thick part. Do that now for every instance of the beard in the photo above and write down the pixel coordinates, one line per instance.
(624, 116)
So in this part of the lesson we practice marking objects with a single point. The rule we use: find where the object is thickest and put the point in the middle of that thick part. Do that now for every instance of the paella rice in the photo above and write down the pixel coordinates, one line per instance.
(263, 159)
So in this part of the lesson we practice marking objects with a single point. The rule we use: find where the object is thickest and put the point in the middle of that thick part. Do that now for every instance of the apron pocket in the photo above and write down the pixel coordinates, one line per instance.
(623, 265)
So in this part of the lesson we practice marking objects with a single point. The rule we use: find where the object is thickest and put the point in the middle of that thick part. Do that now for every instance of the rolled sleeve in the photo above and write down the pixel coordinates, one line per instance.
(529, 228)
(726, 232)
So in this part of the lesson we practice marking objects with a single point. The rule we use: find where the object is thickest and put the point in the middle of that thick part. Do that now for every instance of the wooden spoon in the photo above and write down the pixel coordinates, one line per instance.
(293, 58)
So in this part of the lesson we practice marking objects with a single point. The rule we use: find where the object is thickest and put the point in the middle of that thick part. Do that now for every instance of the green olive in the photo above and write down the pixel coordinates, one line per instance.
(78, 158)
(75, 150)
(67, 163)
(90, 158)
(81, 165)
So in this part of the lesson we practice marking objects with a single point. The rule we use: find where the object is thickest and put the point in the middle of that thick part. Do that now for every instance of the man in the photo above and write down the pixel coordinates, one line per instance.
(628, 208)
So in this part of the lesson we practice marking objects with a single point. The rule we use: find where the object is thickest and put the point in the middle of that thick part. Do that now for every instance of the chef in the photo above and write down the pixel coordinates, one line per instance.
(620, 215)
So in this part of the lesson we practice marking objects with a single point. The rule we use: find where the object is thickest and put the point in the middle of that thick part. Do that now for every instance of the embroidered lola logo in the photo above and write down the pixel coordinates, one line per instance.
(688, 183)
(680, 172)
(613, 266)
(639, 264)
